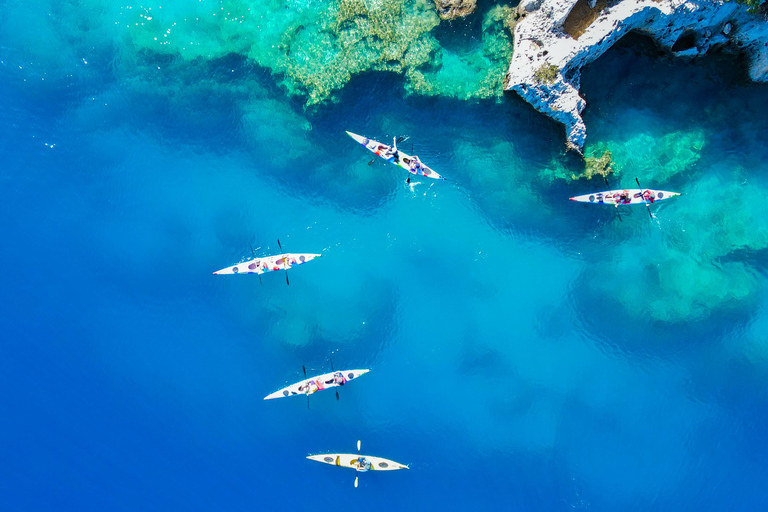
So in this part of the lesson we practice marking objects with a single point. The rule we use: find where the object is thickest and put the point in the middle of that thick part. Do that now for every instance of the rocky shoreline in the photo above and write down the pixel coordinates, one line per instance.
(556, 38)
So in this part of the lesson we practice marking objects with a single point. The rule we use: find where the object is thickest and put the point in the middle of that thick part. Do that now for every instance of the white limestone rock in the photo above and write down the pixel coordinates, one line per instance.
(541, 40)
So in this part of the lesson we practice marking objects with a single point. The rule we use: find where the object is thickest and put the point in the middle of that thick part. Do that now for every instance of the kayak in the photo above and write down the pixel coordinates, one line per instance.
(349, 460)
(411, 164)
(314, 384)
(635, 196)
(268, 264)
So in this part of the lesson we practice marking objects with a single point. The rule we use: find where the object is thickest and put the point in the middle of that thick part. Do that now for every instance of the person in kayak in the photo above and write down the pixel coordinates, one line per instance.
(395, 152)
(649, 196)
(337, 379)
(362, 464)
(309, 388)
(388, 153)
(623, 198)
(285, 262)
(415, 165)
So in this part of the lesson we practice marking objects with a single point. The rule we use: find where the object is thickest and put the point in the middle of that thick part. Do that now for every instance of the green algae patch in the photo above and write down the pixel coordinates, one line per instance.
(313, 49)
(546, 73)
(594, 166)
(597, 163)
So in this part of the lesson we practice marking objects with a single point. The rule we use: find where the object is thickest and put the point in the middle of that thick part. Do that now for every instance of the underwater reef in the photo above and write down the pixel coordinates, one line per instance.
(314, 48)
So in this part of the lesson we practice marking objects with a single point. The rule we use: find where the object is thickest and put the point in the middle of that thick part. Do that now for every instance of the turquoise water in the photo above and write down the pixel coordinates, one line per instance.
(526, 352)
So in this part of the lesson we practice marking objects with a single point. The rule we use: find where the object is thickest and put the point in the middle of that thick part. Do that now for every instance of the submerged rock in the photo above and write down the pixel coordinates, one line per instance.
(562, 36)
(452, 9)
(597, 166)
(529, 5)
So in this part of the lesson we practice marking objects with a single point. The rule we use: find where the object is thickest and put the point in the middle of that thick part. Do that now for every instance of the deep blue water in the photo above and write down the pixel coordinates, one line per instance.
(527, 353)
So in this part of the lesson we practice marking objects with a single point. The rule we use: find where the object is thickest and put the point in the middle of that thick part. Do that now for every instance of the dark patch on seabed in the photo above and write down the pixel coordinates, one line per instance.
(724, 62)
(656, 339)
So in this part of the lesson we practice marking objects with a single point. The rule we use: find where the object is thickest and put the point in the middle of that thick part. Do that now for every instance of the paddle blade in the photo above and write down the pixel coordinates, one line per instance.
(337, 396)
(304, 368)
(358, 445)
(286, 278)
(355, 482)
(279, 245)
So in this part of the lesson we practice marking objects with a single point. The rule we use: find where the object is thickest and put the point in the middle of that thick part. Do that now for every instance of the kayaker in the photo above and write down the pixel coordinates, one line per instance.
(395, 152)
(339, 379)
(309, 388)
(415, 164)
(363, 464)
(649, 196)
(388, 153)
(623, 198)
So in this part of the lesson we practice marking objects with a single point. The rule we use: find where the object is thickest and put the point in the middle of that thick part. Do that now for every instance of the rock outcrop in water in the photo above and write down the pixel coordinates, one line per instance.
(451, 9)
(558, 37)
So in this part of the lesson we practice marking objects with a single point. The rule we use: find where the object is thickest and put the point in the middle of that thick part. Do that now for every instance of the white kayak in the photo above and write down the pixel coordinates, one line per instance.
(352, 461)
(626, 196)
(268, 264)
(314, 384)
(412, 164)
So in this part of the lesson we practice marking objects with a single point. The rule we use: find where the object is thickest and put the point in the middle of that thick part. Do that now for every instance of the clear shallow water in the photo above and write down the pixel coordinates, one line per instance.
(527, 352)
